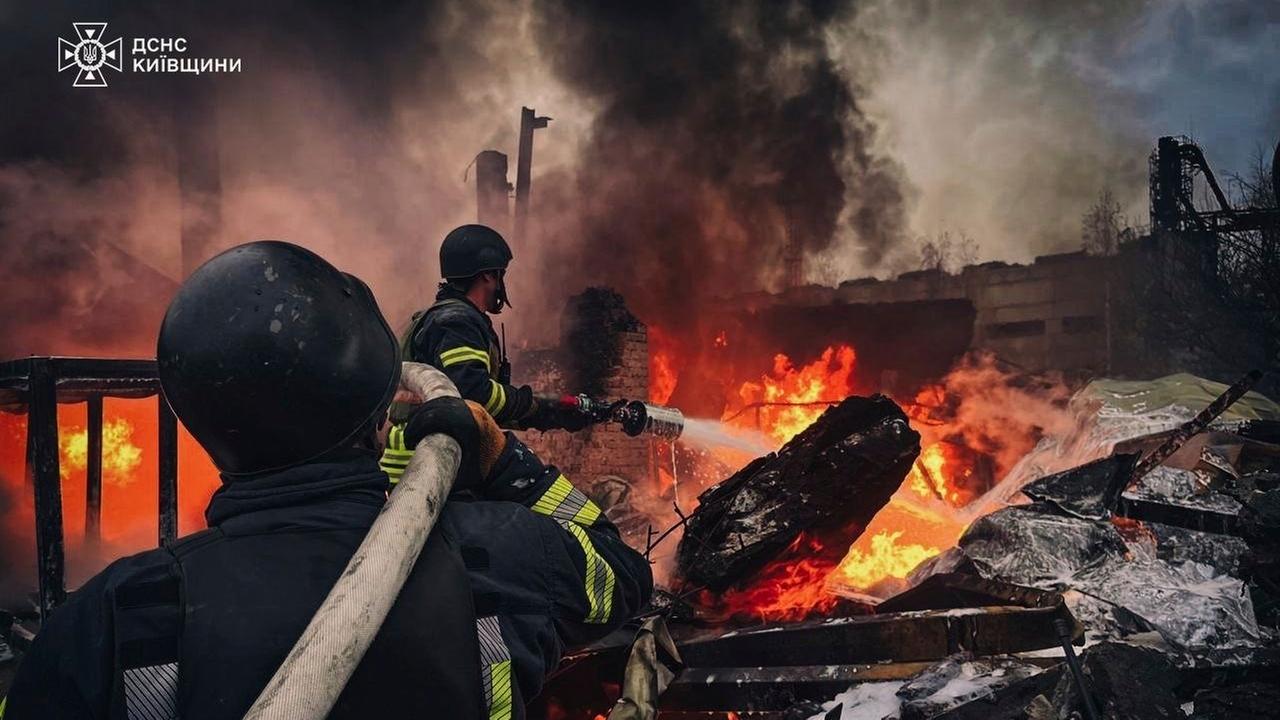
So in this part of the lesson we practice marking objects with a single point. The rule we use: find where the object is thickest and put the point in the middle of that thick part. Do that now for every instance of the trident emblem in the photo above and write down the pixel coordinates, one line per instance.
(90, 54)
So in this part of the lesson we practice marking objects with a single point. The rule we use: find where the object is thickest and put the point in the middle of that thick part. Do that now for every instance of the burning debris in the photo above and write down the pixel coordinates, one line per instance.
(836, 474)
(1167, 611)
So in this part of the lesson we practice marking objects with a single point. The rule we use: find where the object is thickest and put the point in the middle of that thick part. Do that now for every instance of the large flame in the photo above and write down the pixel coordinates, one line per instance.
(922, 519)
(789, 399)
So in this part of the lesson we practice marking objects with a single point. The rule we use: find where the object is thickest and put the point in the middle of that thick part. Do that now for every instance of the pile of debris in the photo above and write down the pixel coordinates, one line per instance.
(1156, 564)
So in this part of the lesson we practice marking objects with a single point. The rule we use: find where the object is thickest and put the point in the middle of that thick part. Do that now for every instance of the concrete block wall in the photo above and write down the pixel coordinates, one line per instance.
(1051, 314)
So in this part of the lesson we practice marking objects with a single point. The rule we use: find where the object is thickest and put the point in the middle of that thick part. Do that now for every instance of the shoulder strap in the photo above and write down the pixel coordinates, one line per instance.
(419, 319)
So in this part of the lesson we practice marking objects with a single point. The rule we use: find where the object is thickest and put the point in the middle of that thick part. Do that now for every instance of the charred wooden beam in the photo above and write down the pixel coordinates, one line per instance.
(836, 474)
(1196, 424)
(168, 471)
(1182, 516)
(44, 479)
(958, 590)
(903, 637)
(766, 689)
(93, 472)
(774, 688)
(76, 379)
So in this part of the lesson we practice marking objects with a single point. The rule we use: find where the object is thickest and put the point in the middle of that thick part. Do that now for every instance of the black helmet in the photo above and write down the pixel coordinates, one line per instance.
(271, 357)
(469, 250)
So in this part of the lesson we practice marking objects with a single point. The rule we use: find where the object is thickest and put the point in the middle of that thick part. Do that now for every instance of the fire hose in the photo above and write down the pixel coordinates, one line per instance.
(317, 669)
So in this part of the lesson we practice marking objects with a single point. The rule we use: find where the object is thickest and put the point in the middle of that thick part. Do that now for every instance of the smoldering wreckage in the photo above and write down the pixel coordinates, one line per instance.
(853, 553)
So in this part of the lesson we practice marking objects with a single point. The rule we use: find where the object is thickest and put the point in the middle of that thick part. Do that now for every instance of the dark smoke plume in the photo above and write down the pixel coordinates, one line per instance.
(726, 142)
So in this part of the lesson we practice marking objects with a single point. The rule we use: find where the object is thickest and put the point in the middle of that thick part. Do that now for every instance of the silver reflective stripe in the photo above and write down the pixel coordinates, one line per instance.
(151, 693)
(495, 669)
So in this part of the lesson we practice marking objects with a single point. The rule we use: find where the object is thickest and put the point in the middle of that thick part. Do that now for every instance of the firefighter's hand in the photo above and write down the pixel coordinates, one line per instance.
(466, 422)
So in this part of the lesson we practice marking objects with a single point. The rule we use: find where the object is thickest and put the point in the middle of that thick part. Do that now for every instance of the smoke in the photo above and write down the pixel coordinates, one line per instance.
(727, 142)
(1008, 118)
(994, 410)
(985, 107)
(698, 150)
(348, 130)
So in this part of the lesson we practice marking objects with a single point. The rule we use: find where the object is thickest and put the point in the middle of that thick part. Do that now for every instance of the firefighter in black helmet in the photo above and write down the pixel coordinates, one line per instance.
(282, 368)
(456, 336)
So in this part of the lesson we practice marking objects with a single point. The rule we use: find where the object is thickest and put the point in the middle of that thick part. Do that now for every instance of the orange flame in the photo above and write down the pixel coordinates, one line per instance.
(120, 456)
(787, 589)
(789, 399)
(885, 558)
(662, 366)
(129, 494)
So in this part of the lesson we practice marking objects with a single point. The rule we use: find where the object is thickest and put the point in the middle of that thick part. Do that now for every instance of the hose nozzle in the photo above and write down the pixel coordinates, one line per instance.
(637, 417)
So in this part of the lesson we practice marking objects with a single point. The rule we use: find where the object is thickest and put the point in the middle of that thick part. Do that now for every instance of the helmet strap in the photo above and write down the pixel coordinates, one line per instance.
(503, 300)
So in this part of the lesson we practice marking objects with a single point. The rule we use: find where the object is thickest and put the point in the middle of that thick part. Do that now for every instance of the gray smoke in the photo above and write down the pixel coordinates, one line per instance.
(726, 138)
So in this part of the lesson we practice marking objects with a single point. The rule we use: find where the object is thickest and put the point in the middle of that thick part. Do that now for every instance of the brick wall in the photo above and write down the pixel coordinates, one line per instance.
(590, 454)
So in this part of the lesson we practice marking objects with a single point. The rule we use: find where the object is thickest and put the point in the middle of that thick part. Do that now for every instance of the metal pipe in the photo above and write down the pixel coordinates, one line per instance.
(314, 673)
(1065, 635)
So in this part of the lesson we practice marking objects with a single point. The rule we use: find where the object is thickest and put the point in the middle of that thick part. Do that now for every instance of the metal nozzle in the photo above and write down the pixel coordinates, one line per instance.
(638, 417)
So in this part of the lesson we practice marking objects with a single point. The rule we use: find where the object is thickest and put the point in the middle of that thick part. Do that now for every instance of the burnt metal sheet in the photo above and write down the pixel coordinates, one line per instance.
(1025, 546)
(1088, 491)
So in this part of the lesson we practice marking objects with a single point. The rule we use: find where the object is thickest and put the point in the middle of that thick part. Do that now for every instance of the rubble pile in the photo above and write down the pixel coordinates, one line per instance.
(1152, 561)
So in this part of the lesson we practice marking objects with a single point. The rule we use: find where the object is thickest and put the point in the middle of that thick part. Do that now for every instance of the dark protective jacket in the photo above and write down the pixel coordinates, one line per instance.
(458, 338)
(196, 630)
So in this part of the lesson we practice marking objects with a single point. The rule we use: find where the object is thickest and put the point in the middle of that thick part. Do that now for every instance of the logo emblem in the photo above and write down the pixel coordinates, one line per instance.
(90, 54)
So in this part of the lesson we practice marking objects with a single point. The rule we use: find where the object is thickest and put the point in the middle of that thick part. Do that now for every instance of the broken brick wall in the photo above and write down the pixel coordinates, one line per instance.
(601, 338)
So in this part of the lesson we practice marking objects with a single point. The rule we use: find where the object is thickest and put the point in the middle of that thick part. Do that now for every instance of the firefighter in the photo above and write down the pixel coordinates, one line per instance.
(282, 368)
(456, 336)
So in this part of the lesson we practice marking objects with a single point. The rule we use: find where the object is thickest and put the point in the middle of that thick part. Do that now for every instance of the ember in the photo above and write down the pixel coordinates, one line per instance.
(788, 589)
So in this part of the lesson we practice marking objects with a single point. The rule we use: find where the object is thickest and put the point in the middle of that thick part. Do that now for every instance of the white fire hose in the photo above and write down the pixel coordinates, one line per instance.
(315, 672)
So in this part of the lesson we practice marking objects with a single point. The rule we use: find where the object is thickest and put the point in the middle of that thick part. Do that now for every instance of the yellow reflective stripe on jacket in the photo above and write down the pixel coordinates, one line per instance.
(495, 668)
(395, 458)
(464, 354)
(3, 702)
(563, 501)
(598, 579)
(497, 398)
